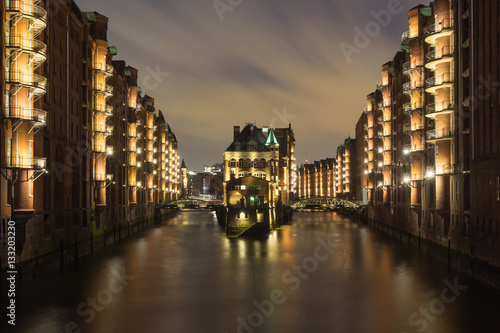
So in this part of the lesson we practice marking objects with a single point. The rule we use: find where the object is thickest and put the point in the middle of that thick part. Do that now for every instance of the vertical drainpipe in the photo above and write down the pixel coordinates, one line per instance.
(473, 83)
(67, 78)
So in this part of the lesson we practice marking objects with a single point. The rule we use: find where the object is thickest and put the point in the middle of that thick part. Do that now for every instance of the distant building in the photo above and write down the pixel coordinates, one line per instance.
(214, 169)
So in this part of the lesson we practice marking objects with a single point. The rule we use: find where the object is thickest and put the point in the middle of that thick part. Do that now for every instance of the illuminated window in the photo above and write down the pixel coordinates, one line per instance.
(252, 187)
(243, 187)
(498, 189)
(258, 187)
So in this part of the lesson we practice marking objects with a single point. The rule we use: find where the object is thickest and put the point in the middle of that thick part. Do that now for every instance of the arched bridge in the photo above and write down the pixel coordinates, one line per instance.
(194, 203)
(326, 203)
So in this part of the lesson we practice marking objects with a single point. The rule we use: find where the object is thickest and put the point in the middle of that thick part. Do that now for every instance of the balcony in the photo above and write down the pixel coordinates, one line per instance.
(407, 88)
(414, 147)
(27, 114)
(107, 130)
(35, 82)
(106, 69)
(35, 13)
(99, 148)
(407, 68)
(102, 177)
(434, 135)
(405, 38)
(22, 162)
(107, 110)
(439, 29)
(408, 128)
(407, 108)
(440, 81)
(438, 56)
(444, 107)
(36, 49)
(105, 89)
(444, 169)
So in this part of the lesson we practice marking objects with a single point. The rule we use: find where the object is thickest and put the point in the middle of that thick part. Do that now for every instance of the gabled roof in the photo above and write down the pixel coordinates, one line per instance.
(250, 135)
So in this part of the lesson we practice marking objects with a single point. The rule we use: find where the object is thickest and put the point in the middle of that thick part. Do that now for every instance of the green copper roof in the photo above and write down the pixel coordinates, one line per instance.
(113, 50)
(90, 16)
(128, 73)
(271, 138)
(391, 70)
(405, 48)
(426, 11)
(139, 90)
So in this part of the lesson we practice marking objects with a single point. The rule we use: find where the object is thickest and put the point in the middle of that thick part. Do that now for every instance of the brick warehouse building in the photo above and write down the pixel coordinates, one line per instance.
(431, 135)
(83, 153)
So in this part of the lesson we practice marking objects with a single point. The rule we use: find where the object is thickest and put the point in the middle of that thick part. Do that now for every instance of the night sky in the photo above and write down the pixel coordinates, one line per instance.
(263, 61)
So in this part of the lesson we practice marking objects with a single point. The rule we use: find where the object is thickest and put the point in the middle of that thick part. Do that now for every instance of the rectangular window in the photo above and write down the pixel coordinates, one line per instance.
(243, 187)
(252, 187)
(9, 150)
(236, 187)
(258, 187)
(498, 189)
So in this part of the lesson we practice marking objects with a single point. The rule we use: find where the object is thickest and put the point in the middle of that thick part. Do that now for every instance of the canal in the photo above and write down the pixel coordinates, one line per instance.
(320, 273)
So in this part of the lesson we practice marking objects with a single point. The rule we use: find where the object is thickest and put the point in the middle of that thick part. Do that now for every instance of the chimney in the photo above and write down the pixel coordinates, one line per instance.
(236, 132)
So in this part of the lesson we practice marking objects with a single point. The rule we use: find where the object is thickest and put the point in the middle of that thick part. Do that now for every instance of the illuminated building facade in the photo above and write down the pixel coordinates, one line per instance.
(253, 154)
(73, 122)
(431, 133)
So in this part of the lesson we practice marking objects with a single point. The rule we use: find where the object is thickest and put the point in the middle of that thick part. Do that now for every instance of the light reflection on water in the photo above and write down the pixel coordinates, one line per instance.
(188, 277)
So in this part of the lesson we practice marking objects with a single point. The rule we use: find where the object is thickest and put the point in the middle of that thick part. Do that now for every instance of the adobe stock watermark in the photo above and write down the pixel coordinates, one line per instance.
(281, 118)
(92, 305)
(372, 29)
(153, 78)
(426, 315)
(482, 92)
(293, 279)
(223, 6)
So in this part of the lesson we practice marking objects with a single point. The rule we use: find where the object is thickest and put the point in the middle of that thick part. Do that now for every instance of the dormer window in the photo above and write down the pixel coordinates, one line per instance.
(252, 148)
(237, 146)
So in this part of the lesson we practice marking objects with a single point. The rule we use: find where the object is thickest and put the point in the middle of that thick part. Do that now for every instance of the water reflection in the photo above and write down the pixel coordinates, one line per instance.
(186, 276)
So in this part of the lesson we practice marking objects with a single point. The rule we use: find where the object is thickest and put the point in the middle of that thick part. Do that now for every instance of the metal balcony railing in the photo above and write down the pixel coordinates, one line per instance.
(443, 169)
(434, 55)
(103, 68)
(436, 134)
(414, 147)
(407, 87)
(407, 68)
(438, 27)
(443, 106)
(28, 45)
(34, 12)
(35, 81)
(29, 114)
(405, 37)
(438, 80)
(23, 162)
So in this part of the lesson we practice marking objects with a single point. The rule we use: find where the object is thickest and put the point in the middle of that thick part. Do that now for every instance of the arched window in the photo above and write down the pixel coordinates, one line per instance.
(241, 163)
(233, 163)
(262, 163)
(256, 163)
(249, 163)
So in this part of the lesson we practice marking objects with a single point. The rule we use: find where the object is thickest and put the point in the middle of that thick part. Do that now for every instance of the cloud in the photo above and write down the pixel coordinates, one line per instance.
(264, 55)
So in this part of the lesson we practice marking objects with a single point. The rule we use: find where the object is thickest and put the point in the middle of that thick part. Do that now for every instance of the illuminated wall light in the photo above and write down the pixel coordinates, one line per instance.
(430, 174)
(406, 151)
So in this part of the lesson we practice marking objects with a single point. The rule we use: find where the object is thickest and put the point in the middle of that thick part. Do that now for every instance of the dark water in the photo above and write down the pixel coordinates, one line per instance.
(322, 273)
